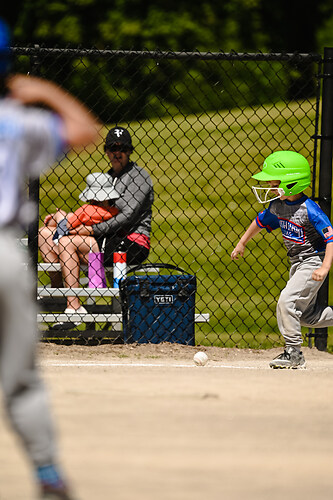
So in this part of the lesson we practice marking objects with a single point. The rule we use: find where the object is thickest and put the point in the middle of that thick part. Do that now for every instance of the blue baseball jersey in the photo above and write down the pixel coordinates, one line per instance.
(305, 228)
(30, 141)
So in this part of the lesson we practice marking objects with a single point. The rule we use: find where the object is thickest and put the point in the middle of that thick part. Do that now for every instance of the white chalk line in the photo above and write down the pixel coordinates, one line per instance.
(143, 365)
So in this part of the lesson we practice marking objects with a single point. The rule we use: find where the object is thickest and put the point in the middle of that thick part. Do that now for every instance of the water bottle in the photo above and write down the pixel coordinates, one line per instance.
(119, 267)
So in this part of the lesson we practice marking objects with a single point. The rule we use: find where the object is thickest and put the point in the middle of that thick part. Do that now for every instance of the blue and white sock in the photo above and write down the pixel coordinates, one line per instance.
(49, 475)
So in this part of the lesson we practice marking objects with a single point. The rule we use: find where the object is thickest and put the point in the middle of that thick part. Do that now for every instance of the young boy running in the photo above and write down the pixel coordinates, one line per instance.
(308, 236)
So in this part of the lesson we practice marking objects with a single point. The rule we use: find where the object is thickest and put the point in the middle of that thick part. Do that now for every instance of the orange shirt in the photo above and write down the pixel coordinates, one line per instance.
(90, 214)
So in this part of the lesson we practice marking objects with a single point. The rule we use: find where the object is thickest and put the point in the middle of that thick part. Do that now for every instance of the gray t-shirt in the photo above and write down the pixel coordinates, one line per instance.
(135, 188)
(30, 141)
(305, 228)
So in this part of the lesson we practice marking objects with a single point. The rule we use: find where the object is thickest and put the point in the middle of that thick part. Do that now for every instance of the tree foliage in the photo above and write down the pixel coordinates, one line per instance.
(228, 25)
(245, 25)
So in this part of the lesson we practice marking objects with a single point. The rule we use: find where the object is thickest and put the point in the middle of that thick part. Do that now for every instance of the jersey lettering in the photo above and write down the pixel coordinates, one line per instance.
(292, 231)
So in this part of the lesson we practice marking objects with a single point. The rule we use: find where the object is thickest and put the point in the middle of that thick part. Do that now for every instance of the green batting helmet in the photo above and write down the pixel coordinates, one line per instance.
(289, 167)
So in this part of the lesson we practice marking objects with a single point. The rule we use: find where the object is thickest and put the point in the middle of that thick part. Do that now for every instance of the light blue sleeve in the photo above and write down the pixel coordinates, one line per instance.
(44, 134)
(57, 126)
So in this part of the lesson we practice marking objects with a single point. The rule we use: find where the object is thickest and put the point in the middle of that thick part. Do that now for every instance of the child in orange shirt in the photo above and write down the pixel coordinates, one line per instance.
(99, 194)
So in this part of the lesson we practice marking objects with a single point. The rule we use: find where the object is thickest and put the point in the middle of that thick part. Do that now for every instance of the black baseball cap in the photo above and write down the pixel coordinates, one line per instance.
(118, 135)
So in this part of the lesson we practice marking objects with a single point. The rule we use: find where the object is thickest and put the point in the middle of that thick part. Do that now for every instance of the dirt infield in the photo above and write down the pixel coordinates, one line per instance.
(144, 423)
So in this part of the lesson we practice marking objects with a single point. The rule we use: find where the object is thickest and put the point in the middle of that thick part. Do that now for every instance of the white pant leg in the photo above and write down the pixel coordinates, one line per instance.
(24, 392)
(298, 298)
(318, 317)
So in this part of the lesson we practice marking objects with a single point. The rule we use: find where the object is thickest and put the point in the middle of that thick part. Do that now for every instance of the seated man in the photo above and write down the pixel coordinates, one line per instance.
(128, 230)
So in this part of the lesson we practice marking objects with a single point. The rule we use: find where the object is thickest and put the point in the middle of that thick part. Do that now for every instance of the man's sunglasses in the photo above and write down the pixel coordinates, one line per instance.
(120, 148)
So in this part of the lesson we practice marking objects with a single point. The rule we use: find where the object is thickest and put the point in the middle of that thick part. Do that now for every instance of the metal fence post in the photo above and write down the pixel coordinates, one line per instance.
(325, 173)
(33, 189)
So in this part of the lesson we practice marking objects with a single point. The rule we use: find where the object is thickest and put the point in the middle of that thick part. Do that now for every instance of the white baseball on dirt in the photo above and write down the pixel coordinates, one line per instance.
(200, 358)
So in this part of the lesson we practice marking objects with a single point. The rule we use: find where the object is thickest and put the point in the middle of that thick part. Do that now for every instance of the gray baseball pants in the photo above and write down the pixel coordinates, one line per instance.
(24, 393)
(298, 306)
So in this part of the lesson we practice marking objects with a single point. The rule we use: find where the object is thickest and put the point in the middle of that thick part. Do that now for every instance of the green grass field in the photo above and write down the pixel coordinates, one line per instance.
(201, 168)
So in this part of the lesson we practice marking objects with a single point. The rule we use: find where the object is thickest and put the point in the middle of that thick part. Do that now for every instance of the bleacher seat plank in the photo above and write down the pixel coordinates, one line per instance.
(79, 292)
(97, 318)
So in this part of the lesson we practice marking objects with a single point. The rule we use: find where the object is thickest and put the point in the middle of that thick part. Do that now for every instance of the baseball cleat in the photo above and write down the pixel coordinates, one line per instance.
(290, 358)
(52, 493)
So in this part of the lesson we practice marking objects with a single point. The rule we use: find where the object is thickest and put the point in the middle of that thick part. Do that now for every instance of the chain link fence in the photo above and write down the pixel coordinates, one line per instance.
(201, 125)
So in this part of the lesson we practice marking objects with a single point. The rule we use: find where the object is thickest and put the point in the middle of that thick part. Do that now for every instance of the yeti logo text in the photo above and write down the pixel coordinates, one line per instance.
(118, 132)
(163, 299)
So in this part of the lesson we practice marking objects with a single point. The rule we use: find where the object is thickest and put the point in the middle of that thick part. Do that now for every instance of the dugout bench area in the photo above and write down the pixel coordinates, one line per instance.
(103, 320)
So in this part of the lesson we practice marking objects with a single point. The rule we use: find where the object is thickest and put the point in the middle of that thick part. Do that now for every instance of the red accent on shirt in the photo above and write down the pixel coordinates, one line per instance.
(140, 239)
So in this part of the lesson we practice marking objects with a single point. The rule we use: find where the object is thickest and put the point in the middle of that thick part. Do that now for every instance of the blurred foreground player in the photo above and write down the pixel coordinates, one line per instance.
(30, 140)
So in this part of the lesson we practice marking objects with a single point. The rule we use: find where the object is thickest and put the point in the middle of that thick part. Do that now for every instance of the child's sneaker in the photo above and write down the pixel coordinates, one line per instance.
(290, 358)
(69, 325)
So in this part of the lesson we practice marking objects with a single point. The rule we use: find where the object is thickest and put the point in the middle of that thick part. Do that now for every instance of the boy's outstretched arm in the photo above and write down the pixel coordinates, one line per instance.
(247, 236)
(321, 273)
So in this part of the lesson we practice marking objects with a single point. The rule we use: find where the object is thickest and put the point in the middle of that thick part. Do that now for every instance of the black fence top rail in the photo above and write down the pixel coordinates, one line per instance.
(159, 54)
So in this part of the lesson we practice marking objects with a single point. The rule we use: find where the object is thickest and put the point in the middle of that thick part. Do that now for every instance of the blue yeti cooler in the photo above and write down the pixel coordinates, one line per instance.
(158, 308)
